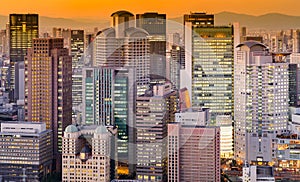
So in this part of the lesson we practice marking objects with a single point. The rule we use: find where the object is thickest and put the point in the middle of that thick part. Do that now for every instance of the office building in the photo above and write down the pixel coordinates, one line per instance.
(294, 121)
(226, 136)
(288, 151)
(4, 45)
(154, 110)
(124, 45)
(193, 148)
(26, 151)
(175, 64)
(77, 53)
(296, 41)
(19, 91)
(255, 173)
(260, 102)
(4, 72)
(109, 99)
(22, 29)
(65, 34)
(86, 154)
(155, 25)
(77, 47)
(48, 86)
(208, 73)
(294, 80)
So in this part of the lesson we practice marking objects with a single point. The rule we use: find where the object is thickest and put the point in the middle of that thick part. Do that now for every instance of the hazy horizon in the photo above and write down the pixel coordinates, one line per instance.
(102, 9)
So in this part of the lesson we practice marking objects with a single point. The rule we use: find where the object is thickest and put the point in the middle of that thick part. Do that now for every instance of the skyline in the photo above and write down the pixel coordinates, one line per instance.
(95, 9)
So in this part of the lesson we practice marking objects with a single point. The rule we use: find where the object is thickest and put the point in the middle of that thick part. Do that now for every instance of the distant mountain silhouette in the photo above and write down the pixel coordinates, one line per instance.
(47, 23)
(271, 21)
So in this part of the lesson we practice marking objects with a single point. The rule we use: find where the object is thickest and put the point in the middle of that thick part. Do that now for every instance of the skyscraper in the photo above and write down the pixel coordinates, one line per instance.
(261, 101)
(22, 29)
(48, 86)
(77, 51)
(154, 110)
(175, 62)
(193, 148)
(77, 47)
(155, 25)
(294, 80)
(124, 45)
(208, 73)
(109, 96)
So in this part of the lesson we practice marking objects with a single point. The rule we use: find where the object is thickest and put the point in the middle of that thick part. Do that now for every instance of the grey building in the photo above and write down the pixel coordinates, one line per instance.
(155, 25)
(25, 151)
(154, 110)
(109, 99)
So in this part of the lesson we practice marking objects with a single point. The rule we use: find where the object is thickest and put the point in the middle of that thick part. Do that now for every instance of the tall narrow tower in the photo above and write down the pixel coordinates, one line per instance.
(22, 29)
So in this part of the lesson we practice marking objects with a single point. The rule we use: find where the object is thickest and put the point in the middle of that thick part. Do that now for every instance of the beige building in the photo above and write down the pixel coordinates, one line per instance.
(86, 154)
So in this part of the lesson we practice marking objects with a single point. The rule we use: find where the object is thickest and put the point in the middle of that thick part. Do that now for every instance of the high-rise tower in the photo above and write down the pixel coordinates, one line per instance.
(208, 73)
(22, 29)
(48, 86)
(155, 25)
(154, 110)
(124, 45)
(261, 101)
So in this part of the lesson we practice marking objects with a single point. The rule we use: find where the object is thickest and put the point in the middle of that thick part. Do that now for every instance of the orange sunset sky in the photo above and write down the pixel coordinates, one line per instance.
(101, 9)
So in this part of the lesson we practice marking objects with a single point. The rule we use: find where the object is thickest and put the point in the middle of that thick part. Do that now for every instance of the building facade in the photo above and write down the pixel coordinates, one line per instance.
(261, 100)
(124, 45)
(86, 154)
(48, 87)
(77, 53)
(26, 151)
(154, 110)
(193, 148)
(208, 73)
(23, 28)
(155, 25)
(109, 99)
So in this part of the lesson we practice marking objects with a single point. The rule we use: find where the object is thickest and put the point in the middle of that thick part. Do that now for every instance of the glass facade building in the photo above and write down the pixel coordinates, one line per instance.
(209, 55)
(212, 69)
(77, 51)
(155, 25)
(22, 29)
(109, 99)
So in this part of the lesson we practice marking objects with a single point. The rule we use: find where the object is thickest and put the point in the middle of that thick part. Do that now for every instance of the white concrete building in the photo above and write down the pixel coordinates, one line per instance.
(123, 45)
(260, 96)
